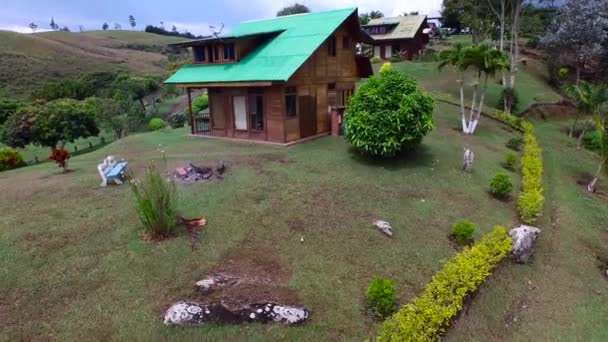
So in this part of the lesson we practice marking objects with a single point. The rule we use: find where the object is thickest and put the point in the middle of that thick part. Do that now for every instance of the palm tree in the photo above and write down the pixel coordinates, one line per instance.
(600, 122)
(453, 57)
(590, 100)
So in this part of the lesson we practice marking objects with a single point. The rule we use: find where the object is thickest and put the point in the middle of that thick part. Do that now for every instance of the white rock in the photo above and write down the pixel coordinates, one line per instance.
(384, 227)
(524, 240)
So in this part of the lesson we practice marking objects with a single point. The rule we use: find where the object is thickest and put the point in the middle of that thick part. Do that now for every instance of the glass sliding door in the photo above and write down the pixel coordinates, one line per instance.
(240, 112)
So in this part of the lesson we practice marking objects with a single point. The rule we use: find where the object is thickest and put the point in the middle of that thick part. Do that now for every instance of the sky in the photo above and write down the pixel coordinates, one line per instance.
(194, 16)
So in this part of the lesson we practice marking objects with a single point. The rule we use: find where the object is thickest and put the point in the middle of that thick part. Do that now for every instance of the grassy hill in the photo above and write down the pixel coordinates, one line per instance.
(29, 60)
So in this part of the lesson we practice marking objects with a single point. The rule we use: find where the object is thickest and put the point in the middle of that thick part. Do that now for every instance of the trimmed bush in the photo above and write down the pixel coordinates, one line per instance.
(156, 124)
(156, 203)
(531, 200)
(177, 120)
(381, 297)
(375, 60)
(515, 144)
(463, 231)
(200, 103)
(509, 119)
(10, 159)
(60, 157)
(428, 315)
(388, 114)
(501, 185)
(510, 161)
(386, 67)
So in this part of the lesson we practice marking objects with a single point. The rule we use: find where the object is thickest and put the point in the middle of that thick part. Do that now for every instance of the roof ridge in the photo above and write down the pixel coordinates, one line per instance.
(300, 15)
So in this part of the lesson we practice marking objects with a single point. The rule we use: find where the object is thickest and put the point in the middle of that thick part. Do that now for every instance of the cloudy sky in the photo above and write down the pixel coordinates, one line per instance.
(192, 15)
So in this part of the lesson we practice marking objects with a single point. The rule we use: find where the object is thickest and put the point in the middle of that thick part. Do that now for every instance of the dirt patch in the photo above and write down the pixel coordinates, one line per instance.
(550, 111)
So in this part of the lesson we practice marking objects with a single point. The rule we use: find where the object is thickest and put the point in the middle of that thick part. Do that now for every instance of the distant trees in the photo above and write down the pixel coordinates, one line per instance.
(53, 25)
(105, 26)
(132, 21)
(296, 8)
(117, 26)
(80, 28)
(364, 18)
(174, 32)
(33, 26)
(65, 29)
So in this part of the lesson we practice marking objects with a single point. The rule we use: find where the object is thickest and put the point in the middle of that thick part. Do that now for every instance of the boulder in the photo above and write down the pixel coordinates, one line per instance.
(384, 227)
(214, 282)
(524, 240)
(468, 159)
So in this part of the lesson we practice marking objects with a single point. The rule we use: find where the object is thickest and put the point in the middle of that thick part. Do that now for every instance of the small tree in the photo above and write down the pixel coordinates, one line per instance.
(105, 26)
(388, 114)
(117, 26)
(33, 26)
(589, 99)
(602, 128)
(296, 8)
(132, 21)
(53, 25)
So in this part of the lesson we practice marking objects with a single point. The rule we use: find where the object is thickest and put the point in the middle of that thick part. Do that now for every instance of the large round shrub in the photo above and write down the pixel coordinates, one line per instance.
(177, 120)
(388, 114)
(156, 124)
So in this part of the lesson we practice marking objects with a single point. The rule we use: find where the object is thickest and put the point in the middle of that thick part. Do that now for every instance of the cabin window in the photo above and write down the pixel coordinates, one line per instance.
(256, 111)
(214, 54)
(331, 46)
(291, 102)
(199, 54)
(345, 43)
(229, 54)
(342, 97)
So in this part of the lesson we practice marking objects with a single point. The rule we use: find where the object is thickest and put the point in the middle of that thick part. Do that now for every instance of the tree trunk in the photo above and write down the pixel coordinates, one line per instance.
(462, 108)
(571, 134)
(480, 107)
(472, 113)
(579, 143)
(514, 52)
(592, 187)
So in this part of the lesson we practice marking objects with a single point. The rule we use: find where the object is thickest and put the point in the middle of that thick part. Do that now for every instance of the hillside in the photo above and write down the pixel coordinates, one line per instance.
(29, 60)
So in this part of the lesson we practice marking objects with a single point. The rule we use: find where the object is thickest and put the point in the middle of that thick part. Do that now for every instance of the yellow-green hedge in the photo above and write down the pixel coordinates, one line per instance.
(429, 314)
(531, 199)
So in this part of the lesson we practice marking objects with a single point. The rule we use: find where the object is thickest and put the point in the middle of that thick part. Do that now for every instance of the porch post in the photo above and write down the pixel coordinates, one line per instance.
(190, 110)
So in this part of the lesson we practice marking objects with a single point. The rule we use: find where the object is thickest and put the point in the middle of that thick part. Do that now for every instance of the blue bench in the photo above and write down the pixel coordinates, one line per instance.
(110, 170)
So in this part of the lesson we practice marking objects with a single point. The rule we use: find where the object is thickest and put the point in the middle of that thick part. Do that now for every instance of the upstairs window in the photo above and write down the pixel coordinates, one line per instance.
(229, 54)
(331, 46)
(200, 55)
(214, 53)
(291, 102)
(256, 111)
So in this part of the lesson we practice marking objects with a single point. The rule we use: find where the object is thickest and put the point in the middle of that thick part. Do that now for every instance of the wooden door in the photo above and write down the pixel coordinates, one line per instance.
(308, 116)
(239, 104)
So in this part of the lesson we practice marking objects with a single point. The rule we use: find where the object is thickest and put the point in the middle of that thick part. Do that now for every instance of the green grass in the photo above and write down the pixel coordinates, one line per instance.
(75, 267)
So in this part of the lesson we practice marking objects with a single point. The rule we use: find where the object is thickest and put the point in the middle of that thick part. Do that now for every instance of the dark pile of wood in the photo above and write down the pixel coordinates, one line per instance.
(195, 173)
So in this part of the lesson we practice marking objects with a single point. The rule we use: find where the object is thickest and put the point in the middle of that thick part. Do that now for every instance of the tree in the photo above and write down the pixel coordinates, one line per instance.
(8, 107)
(590, 100)
(602, 127)
(33, 26)
(132, 21)
(296, 8)
(365, 18)
(117, 26)
(105, 26)
(56, 122)
(454, 58)
(474, 14)
(577, 34)
(80, 28)
(65, 29)
(53, 25)
(76, 89)
(174, 28)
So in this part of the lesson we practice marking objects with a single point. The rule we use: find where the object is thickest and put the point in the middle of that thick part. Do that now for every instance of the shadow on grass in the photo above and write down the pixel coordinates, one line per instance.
(422, 156)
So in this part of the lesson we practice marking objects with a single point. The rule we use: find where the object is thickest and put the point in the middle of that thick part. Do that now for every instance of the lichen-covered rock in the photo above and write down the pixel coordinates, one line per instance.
(190, 313)
(384, 227)
(524, 240)
(214, 282)
(468, 159)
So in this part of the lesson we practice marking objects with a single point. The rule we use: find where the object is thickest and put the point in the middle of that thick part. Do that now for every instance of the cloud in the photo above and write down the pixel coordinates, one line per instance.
(22, 29)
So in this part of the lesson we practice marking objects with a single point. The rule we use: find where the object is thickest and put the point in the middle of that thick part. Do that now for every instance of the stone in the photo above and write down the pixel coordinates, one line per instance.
(181, 172)
(384, 227)
(468, 159)
(214, 282)
(221, 168)
(524, 240)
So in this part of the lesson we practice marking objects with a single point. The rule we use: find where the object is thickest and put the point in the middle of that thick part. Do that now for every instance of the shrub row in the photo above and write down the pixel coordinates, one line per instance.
(531, 199)
(426, 318)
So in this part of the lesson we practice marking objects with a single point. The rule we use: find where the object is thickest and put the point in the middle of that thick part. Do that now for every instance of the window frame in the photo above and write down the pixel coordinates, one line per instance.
(291, 91)
(195, 54)
(225, 50)
(250, 110)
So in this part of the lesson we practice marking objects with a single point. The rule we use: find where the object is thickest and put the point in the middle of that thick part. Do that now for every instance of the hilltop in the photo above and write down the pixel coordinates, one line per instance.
(29, 60)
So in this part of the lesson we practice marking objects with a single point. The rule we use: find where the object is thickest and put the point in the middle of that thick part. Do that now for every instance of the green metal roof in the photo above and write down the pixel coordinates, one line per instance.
(407, 26)
(280, 57)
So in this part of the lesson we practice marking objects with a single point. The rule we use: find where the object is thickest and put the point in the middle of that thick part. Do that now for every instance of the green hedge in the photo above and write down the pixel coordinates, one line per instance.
(531, 199)
(426, 318)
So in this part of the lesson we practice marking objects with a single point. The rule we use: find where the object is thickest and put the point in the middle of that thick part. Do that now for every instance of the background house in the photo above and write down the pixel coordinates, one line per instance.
(276, 80)
(403, 36)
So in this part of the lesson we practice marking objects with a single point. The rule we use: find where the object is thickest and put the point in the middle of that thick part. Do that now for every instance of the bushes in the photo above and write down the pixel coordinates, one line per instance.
(10, 159)
(200, 103)
(531, 199)
(177, 120)
(592, 140)
(463, 231)
(429, 314)
(388, 114)
(515, 143)
(60, 157)
(386, 67)
(156, 124)
(375, 60)
(381, 297)
(509, 119)
(156, 203)
(501, 185)
(510, 161)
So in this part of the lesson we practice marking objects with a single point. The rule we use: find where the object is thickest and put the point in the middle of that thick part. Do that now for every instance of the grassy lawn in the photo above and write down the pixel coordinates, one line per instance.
(74, 265)
(563, 294)
(531, 83)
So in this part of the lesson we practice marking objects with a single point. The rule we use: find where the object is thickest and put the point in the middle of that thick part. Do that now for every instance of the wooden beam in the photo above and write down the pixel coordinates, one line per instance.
(223, 84)
(190, 110)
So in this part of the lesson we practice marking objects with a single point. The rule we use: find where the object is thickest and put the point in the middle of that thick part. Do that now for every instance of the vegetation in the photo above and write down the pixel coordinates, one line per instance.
(531, 199)
(376, 60)
(515, 143)
(388, 114)
(296, 8)
(177, 120)
(156, 203)
(156, 124)
(590, 100)
(200, 103)
(174, 33)
(510, 161)
(364, 18)
(501, 186)
(10, 159)
(463, 231)
(60, 156)
(426, 318)
(602, 129)
(381, 297)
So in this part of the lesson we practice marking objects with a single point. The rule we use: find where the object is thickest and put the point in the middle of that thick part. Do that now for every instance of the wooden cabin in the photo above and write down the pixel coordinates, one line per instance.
(403, 36)
(276, 80)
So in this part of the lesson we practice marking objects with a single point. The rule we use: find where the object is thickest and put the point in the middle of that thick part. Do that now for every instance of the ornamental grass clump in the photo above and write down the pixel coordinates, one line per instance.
(428, 315)
(388, 115)
(381, 297)
(156, 203)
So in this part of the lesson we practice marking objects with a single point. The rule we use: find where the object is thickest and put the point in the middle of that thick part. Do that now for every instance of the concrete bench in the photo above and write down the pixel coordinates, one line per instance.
(112, 171)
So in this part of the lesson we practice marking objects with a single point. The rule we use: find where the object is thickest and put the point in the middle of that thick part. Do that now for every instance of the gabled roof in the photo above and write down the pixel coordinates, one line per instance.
(277, 59)
(407, 26)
